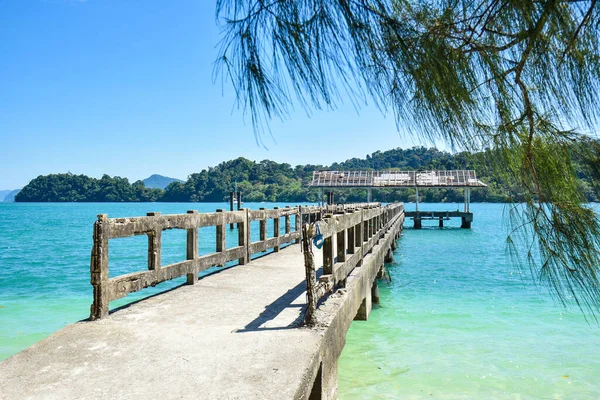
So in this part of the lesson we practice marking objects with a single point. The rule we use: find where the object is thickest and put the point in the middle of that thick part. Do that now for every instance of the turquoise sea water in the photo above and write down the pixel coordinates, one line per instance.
(458, 321)
(45, 261)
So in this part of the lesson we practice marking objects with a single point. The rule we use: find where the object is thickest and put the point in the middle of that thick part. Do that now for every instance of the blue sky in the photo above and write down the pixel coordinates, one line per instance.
(125, 87)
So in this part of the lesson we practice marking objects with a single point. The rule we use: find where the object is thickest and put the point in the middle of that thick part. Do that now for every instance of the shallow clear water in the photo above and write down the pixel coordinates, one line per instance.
(459, 321)
(45, 261)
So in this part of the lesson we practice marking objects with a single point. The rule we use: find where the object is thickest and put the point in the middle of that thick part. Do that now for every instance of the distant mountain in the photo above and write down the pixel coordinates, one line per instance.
(159, 182)
(10, 196)
(3, 194)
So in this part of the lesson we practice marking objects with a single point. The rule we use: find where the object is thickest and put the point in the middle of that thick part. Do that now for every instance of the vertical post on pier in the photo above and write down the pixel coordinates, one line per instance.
(369, 195)
(99, 269)
(417, 199)
(351, 240)
(276, 228)
(341, 245)
(328, 253)
(243, 238)
(239, 200)
(263, 226)
(221, 238)
(192, 247)
(231, 195)
(320, 199)
(358, 235)
(154, 247)
(468, 199)
(288, 226)
(297, 224)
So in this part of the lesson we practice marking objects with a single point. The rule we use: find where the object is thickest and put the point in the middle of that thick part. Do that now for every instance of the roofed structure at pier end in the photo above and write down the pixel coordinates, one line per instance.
(396, 179)
(456, 179)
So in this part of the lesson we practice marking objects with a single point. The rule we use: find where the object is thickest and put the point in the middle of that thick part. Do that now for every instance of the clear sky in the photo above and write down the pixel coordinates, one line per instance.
(126, 87)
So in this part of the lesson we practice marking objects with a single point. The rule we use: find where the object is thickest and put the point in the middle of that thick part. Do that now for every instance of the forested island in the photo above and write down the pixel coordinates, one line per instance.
(280, 182)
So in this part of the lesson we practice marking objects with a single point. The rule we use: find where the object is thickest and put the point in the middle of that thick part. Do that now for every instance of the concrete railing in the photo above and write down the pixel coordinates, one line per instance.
(356, 232)
(107, 289)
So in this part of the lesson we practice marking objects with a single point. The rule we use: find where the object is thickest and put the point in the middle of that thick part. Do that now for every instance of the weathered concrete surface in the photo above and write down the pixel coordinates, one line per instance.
(213, 340)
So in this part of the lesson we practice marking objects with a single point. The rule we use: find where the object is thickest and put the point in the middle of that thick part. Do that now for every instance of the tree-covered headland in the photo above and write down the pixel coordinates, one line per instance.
(279, 182)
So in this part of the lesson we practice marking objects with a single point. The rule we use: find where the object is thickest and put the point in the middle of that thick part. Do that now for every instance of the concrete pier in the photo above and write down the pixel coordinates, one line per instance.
(237, 334)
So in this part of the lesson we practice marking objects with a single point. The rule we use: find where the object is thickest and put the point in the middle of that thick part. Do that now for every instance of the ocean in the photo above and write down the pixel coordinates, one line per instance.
(457, 321)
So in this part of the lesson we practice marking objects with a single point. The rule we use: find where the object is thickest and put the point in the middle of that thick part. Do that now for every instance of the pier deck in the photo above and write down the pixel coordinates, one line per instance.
(234, 334)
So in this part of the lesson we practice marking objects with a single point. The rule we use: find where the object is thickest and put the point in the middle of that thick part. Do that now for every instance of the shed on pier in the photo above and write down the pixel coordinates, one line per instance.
(459, 179)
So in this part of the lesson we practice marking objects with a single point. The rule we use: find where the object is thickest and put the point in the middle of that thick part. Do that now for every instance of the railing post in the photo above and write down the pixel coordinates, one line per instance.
(221, 238)
(297, 224)
(154, 247)
(276, 228)
(248, 234)
(263, 227)
(351, 240)
(341, 245)
(192, 247)
(288, 226)
(359, 233)
(328, 256)
(243, 238)
(99, 269)
(231, 197)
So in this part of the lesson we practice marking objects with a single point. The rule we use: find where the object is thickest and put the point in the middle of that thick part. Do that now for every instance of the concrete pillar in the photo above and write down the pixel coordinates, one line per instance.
(330, 379)
(417, 222)
(465, 223)
(441, 223)
(389, 256)
(192, 250)
(375, 292)
(365, 307)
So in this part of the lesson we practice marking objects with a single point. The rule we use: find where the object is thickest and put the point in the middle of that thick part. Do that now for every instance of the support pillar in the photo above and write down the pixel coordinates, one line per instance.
(465, 223)
(369, 195)
(441, 223)
(375, 292)
(417, 220)
(365, 307)
(389, 256)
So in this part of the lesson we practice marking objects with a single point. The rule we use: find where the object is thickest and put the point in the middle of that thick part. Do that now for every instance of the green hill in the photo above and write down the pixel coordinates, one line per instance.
(159, 181)
(270, 181)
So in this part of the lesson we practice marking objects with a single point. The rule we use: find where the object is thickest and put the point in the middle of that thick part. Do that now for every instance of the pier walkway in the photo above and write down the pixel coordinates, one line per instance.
(236, 334)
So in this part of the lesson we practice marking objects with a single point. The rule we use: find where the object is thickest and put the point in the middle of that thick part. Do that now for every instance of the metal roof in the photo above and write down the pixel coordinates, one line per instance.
(382, 179)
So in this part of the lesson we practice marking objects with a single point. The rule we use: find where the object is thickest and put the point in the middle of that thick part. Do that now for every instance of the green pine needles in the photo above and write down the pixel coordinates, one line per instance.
(519, 79)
